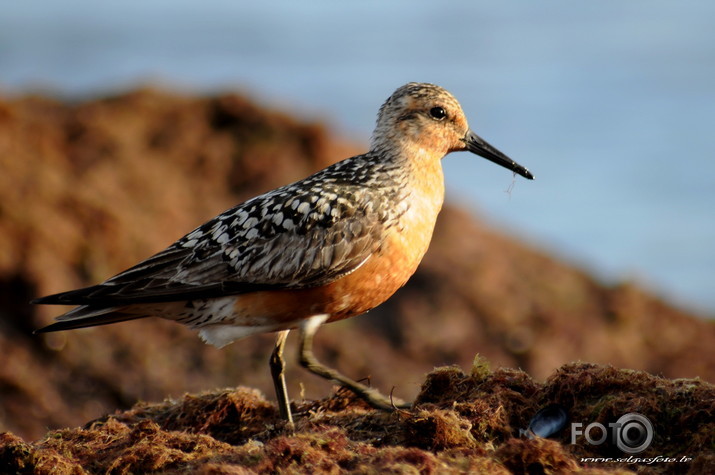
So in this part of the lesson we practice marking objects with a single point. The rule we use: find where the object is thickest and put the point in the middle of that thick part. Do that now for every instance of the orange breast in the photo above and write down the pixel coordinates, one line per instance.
(371, 284)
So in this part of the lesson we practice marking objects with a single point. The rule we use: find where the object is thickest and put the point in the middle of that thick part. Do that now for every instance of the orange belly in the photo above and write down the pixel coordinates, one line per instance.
(376, 280)
(367, 287)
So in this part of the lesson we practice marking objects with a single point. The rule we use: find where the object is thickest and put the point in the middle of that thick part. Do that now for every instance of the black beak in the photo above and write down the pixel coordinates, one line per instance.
(478, 145)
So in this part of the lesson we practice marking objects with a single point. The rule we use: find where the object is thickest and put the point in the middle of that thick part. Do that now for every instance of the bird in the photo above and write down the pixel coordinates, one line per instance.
(328, 247)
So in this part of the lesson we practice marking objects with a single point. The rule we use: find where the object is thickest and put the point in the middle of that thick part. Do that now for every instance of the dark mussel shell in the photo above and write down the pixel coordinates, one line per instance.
(547, 422)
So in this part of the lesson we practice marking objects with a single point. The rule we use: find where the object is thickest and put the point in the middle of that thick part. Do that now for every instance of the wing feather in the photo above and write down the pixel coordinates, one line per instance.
(297, 236)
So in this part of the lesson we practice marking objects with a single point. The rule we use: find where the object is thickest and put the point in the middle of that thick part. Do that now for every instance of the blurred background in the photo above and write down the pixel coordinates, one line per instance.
(611, 104)
(125, 124)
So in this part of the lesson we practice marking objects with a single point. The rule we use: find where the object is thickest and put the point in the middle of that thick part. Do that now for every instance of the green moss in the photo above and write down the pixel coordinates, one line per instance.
(480, 368)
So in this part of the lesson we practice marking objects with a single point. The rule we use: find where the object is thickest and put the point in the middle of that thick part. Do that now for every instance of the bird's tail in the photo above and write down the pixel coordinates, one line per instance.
(89, 316)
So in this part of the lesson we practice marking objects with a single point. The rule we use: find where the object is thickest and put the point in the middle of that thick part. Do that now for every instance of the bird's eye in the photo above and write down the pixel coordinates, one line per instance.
(437, 113)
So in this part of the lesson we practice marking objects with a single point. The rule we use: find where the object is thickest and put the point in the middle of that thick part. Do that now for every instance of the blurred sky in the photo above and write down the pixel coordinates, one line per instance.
(611, 104)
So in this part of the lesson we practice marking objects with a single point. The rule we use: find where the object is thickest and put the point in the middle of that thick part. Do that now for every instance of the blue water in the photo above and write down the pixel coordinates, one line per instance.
(611, 104)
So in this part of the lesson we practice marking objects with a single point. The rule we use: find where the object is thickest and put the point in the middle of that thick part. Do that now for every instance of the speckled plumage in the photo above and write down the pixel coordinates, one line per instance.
(304, 234)
(330, 246)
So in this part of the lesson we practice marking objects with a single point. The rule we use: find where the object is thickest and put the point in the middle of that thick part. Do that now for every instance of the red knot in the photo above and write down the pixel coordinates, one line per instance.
(331, 246)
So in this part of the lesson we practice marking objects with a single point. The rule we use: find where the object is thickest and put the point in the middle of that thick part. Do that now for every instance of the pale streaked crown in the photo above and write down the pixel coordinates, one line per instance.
(406, 116)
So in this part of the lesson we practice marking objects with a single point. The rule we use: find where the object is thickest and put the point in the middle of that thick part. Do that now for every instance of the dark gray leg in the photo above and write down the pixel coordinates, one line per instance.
(307, 360)
(279, 381)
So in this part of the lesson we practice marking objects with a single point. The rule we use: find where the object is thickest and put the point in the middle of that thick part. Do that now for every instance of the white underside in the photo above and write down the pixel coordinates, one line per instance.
(310, 325)
(221, 335)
